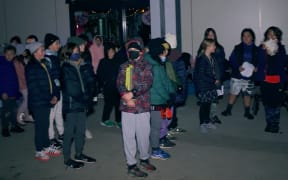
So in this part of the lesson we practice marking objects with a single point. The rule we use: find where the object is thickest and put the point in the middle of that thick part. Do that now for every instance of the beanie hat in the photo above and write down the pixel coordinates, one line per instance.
(50, 39)
(171, 39)
(76, 40)
(32, 47)
(156, 46)
(136, 43)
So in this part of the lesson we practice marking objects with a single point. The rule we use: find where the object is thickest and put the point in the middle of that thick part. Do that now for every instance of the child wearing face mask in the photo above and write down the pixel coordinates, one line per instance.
(78, 87)
(272, 77)
(134, 82)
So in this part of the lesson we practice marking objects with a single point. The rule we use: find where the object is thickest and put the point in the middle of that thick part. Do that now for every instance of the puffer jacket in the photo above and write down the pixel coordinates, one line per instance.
(204, 74)
(40, 92)
(78, 86)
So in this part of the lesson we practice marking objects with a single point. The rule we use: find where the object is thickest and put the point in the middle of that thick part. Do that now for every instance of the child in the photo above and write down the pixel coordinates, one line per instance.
(9, 92)
(42, 95)
(133, 82)
(78, 87)
(206, 83)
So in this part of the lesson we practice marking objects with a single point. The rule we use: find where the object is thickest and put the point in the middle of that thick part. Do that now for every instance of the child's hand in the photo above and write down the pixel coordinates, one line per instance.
(131, 103)
(54, 100)
(4, 96)
(127, 96)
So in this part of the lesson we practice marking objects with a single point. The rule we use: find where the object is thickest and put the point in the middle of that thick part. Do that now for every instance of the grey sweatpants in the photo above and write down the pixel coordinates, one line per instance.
(156, 124)
(75, 126)
(136, 131)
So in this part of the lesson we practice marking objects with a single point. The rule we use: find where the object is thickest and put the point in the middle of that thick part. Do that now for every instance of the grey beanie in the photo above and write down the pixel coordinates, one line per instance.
(32, 47)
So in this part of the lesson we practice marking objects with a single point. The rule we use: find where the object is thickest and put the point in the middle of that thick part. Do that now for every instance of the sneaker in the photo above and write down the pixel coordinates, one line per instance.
(118, 125)
(177, 130)
(60, 138)
(73, 164)
(211, 126)
(107, 123)
(226, 113)
(165, 143)
(84, 159)
(171, 137)
(216, 120)
(5, 133)
(41, 156)
(160, 154)
(249, 116)
(29, 119)
(57, 144)
(52, 151)
(17, 129)
(203, 128)
(145, 164)
(136, 172)
(88, 134)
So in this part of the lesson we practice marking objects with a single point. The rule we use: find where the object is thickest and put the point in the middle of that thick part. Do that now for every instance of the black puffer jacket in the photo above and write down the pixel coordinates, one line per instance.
(39, 92)
(78, 85)
(204, 74)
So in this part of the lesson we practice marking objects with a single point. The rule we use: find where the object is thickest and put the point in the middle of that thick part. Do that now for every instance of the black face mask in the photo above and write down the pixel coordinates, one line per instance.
(133, 55)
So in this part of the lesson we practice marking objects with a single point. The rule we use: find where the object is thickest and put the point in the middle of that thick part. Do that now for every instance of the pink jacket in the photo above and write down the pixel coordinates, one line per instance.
(97, 53)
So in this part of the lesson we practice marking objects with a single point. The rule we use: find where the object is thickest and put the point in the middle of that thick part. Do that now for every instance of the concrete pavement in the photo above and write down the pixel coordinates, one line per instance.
(238, 150)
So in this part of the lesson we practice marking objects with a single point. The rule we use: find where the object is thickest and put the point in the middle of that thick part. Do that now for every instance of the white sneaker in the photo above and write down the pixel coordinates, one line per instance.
(41, 156)
(52, 151)
(203, 128)
(88, 134)
(211, 126)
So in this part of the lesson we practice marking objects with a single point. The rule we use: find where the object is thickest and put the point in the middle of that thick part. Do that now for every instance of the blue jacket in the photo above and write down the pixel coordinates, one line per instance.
(8, 78)
(53, 63)
(275, 66)
(39, 90)
(237, 58)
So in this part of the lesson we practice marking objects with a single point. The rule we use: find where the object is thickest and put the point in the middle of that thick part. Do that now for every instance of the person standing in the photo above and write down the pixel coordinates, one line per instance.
(220, 63)
(77, 88)
(271, 74)
(42, 95)
(162, 94)
(206, 82)
(107, 75)
(52, 46)
(134, 82)
(244, 53)
(9, 91)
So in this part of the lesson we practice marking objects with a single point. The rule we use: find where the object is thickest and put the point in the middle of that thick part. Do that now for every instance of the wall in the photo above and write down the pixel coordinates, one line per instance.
(34, 17)
(228, 18)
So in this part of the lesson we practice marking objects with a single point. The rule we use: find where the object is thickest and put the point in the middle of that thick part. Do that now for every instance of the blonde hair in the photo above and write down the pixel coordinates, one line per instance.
(205, 44)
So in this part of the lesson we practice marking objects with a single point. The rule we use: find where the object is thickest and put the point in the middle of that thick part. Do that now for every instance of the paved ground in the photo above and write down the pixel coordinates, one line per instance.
(238, 150)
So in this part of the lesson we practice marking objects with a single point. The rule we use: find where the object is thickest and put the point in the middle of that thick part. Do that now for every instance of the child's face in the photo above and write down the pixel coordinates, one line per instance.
(76, 50)
(247, 38)
(211, 35)
(111, 53)
(55, 46)
(211, 48)
(271, 35)
(9, 55)
(40, 53)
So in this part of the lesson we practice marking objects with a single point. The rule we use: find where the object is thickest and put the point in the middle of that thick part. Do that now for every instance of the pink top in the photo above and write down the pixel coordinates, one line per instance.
(20, 71)
(97, 53)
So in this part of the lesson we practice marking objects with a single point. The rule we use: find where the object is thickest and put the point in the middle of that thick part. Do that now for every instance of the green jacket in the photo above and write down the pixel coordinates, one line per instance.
(162, 87)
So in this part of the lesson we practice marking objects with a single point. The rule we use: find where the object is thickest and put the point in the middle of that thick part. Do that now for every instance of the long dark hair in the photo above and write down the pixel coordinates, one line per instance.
(250, 31)
(206, 33)
(277, 31)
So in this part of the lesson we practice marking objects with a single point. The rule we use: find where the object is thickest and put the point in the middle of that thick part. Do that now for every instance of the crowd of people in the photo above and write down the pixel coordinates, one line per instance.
(55, 88)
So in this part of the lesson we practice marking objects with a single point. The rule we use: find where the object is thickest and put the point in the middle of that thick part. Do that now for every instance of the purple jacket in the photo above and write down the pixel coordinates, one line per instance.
(8, 78)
